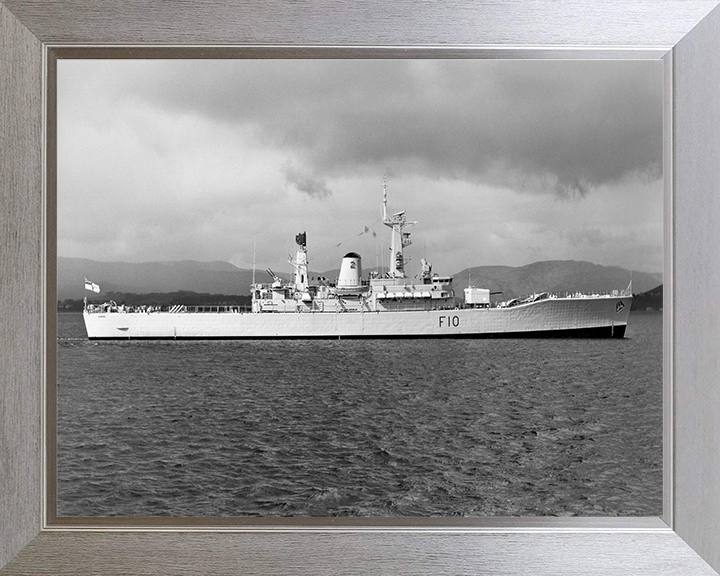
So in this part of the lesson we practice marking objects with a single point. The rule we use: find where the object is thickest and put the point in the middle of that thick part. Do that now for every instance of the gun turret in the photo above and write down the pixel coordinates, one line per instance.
(274, 276)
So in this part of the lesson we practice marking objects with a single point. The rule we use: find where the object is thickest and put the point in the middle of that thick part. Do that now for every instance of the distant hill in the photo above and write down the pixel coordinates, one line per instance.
(225, 278)
(147, 277)
(650, 300)
(553, 276)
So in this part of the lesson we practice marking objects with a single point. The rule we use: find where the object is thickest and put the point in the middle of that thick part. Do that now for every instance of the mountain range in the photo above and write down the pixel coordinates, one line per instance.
(225, 278)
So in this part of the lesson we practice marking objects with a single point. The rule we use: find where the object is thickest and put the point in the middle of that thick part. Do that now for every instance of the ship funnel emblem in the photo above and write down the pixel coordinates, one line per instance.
(619, 306)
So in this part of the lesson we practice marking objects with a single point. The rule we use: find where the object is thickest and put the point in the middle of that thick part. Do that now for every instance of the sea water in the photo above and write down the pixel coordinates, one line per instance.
(535, 427)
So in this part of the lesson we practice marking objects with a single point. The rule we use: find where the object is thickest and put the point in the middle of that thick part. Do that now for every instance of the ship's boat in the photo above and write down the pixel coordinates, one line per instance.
(387, 305)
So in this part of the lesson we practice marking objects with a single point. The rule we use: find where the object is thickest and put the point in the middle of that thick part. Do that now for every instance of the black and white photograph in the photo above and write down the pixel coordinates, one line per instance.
(359, 287)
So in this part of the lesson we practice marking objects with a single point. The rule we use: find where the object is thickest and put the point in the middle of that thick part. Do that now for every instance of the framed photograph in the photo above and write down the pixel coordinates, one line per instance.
(662, 126)
(388, 386)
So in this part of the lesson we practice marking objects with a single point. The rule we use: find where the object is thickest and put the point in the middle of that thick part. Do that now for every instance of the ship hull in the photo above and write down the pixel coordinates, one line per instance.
(587, 317)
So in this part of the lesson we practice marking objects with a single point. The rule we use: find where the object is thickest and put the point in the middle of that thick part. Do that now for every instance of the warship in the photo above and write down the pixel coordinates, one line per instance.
(386, 304)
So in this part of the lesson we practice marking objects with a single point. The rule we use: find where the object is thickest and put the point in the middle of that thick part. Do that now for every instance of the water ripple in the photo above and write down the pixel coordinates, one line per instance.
(361, 428)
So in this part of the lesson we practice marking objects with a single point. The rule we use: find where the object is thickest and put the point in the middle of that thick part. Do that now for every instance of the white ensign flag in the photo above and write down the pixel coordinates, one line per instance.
(91, 286)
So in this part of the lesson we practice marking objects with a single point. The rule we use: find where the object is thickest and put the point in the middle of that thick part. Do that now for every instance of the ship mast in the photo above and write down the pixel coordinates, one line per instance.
(301, 263)
(398, 238)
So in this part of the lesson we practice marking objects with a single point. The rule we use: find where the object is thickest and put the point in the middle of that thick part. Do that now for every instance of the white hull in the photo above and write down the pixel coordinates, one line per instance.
(599, 316)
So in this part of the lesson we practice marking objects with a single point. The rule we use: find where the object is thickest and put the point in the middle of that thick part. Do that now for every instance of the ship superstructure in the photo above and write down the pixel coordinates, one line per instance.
(392, 291)
(382, 305)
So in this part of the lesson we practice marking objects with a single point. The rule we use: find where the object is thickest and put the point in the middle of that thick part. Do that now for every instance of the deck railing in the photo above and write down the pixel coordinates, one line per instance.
(173, 309)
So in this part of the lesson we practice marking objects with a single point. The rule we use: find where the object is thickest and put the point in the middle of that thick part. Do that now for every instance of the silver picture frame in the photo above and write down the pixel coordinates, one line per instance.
(685, 540)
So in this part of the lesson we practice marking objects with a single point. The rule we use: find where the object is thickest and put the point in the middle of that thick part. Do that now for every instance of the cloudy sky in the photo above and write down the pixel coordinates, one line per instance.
(500, 162)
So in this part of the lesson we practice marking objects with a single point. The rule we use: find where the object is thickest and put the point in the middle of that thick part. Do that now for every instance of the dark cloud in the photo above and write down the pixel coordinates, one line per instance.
(201, 159)
(566, 127)
(305, 182)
